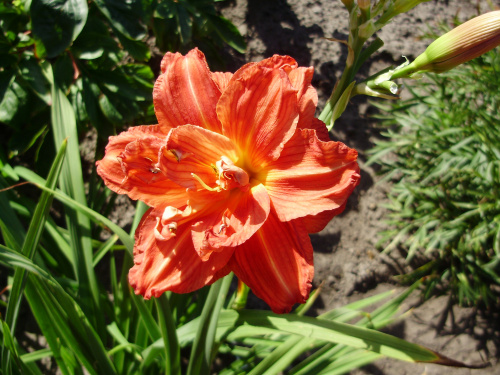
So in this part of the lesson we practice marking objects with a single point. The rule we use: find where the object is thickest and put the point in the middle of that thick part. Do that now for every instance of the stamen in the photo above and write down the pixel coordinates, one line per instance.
(202, 183)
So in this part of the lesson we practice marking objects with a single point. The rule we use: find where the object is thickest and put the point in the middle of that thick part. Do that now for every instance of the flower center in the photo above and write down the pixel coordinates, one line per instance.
(229, 176)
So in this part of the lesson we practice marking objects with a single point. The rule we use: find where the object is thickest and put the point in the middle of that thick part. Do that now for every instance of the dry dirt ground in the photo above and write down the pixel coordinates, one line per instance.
(346, 259)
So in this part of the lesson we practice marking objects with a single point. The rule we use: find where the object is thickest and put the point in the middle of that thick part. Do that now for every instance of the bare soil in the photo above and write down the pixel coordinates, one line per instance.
(347, 262)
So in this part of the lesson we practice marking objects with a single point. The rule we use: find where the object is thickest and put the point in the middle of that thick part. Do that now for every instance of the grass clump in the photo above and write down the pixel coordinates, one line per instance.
(442, 150)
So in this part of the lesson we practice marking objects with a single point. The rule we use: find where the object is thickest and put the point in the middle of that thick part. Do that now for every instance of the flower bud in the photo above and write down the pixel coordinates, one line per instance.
(465, 42)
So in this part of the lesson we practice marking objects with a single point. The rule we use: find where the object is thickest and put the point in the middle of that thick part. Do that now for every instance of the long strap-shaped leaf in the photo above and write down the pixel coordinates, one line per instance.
(201, 352)
(169, 333)
(234, 325)
(71, 182)
(73, 330)
(83, 209)
(28, 249)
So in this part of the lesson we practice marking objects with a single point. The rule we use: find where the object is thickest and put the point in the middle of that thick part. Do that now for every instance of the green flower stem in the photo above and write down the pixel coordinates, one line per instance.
(405, 72)
(345, 80)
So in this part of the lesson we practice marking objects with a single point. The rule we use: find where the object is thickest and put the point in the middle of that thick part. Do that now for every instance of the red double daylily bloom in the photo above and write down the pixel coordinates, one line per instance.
(237, 172)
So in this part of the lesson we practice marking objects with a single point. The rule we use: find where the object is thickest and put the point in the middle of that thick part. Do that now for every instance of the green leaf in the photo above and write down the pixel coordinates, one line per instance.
(36, 355)
(30, 244)
(32, 74)
(138, 49)
(67, 318)
(83, 209)
(247, 323)
(13, 100)
(201, 352)
(125, 16)
(169, 333)
(228, 32)
(71, 182)
(184, 22)
(9, 344)
(58, 23)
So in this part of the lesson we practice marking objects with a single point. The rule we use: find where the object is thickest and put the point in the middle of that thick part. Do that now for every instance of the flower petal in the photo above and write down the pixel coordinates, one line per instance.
(316, 223)
(258, 112)
(129, 167)
(172, 264)
(276, 263)
(186, 93)
(233, 223)
(310, 176)
(191, 149)
(222, 79)
(321, 130)
(286, 63)
(307, 96)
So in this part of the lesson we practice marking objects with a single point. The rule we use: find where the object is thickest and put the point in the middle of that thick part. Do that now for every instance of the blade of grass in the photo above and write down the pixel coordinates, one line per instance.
(169, 333)
(71, 181)
(238, 325)
(68, 201)
(201, 352)
(29, 247)
(8, 341)
(64, 314)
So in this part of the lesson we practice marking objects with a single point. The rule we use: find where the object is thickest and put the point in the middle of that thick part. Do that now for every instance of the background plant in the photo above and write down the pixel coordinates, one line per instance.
(444, 147)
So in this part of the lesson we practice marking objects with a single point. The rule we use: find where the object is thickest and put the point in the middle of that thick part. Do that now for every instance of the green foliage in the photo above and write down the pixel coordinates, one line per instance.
(98, 51)
(444, 144)
(194, 23)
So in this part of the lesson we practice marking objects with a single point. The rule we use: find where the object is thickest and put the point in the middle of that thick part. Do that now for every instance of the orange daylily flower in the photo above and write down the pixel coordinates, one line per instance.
(237, 173)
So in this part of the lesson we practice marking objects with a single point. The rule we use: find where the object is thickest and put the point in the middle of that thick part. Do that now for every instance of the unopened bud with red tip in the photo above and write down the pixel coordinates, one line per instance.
(465, 42)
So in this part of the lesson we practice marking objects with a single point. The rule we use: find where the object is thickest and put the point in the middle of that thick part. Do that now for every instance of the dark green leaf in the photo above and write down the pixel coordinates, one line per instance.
(32, 74)
(57, 23)
(228, 33)
(125, 16)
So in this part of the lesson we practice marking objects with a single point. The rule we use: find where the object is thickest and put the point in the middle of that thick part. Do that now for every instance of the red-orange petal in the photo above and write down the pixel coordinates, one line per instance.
(321, 130)
(310, 176)
(129, 167)
(171, 265)
(259, 113)
(233, 223)
(307, 96)
(279, 62)
(192, 149)
(316, 223)
(186, 93)
(286, 63)
(276, 263)
(222, 79)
